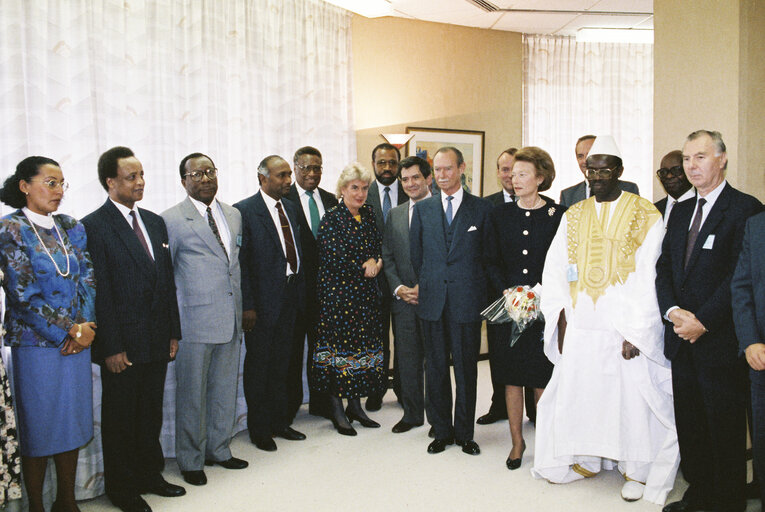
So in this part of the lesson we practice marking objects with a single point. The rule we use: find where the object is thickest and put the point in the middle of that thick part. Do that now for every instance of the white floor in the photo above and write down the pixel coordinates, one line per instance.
(381, 471)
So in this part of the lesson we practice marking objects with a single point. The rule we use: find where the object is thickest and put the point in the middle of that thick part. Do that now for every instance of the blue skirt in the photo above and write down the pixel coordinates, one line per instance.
(53, 399)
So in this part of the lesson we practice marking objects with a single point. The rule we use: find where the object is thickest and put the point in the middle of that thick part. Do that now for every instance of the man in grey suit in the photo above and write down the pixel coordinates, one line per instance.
(384, 194)
(581, 191)
(204, 237)
(446, 249)
(415, 178)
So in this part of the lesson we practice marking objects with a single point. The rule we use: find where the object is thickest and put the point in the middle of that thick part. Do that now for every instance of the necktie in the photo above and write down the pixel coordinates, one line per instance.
(314, 211)
(386, 203)
(139, 234)
(693, 234)
(214, 227)
(289, 243)
(449, 214)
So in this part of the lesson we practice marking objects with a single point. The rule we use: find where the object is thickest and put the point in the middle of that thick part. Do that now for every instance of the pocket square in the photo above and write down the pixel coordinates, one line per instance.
(472, 228)
(164, 245)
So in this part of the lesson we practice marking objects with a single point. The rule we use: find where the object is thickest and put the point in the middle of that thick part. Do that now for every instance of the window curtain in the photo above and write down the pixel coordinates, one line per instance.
(572, 89)
(236, 79)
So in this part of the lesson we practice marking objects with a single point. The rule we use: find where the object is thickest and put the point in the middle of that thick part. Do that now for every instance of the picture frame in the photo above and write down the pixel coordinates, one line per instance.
(426, 141)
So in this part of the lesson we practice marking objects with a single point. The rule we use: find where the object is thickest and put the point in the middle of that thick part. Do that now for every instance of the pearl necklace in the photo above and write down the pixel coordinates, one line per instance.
(533, 206)
(66, 253)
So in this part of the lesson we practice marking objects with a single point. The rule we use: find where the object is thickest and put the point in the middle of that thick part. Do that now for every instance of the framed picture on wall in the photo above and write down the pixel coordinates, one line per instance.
(426, 141)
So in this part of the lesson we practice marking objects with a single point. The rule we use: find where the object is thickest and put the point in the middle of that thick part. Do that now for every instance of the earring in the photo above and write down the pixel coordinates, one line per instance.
(26, 193)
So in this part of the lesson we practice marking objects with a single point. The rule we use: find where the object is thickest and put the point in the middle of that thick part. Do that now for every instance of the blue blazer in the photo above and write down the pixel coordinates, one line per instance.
(135, 301)
(263, 261)
(748, 285)
(704, 287)
(455, 271)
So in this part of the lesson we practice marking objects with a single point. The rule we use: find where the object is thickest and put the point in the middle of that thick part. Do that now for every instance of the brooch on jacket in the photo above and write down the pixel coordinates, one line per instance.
(551, 211)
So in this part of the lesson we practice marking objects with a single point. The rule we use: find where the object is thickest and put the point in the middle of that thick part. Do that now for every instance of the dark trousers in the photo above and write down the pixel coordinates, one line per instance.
(757, 383)
(463, 342)
(410, 361)
(710, 413)
(305, 328)
(266, 365)
(131, 421)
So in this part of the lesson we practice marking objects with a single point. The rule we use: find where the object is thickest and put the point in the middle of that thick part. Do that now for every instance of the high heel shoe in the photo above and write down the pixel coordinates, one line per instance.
(365, 422)
(344, 431)
(516, 463)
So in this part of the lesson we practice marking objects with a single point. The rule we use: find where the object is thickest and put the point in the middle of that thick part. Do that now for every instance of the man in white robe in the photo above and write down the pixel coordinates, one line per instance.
(609, 402)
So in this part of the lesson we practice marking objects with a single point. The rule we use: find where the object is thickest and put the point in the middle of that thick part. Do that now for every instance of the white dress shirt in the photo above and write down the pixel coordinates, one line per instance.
(507, 196)
(456, 201)
(125, 211)
(271, 206)
(304, 203)
(218, 217)
(711, 199)
(393, 193)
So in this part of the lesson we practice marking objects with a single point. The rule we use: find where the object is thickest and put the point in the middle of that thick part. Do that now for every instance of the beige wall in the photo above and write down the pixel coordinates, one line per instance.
(415, 73)
(708, 73)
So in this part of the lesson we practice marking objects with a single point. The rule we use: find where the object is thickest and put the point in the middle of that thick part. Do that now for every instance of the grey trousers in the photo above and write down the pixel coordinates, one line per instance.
(410, 361)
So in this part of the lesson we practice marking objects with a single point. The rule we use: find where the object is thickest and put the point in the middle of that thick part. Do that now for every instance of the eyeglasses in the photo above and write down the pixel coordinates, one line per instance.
(310, 169)
(197, 175)
(386, 163)
(53, 184)
(600, 173)
(676, 171)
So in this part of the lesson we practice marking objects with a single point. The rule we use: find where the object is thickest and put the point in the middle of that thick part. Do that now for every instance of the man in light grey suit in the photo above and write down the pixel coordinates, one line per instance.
(580, 191)
(414, 176)
(204, 237)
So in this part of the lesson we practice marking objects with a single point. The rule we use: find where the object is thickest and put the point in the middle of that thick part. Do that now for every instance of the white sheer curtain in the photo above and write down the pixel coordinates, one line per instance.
(236, 79)
(571, 89)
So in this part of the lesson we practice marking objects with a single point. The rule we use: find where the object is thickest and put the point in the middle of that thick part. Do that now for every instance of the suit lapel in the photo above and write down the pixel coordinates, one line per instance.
(129, 239)
(268, 222)
(233, 226)
(461, 220)
(716, 214)
(201, 227)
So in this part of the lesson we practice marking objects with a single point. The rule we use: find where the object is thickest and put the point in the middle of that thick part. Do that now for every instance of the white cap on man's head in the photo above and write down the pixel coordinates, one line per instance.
(604, 145)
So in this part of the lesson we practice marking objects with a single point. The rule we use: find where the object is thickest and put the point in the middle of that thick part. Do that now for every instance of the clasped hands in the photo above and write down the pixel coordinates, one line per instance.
(687, 326)
(74, 345)
(117, 363)
(409, 295)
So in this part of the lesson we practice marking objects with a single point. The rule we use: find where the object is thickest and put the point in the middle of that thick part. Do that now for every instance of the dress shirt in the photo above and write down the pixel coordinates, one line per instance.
(393, 193)
(271, 206)
(456, 201)
(304, 203)
(711, 198)
(125, 211)
(507, 196)
(218, 217)
(671, 201)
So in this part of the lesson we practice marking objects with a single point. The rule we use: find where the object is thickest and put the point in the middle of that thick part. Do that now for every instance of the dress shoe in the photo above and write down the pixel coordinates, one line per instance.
(490, 417)
(402, 426)
(439, 445)
(513, 464)
(130, 503)
(432, 433)
(265, 443)
(632, 490)
(343, 431)
(232, 463)
(681, 506)
(164, 489)
(374, 403)
(194, 477)
(290, 434)
(365, 422)
(470, 447)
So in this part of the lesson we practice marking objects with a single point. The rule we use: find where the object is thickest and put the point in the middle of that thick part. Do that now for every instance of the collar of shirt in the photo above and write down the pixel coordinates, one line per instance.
(218, 216)
(202, 208)
(507, 196)
(44, 221)
(304, 201)
(711, 198)
(125, 211)
(393, 192)
(456, 201)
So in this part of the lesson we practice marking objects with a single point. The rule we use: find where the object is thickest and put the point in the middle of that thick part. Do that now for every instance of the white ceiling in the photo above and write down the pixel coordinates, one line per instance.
(618, 14)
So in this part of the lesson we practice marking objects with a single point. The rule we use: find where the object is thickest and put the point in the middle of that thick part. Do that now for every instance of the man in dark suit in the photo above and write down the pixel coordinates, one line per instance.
(414, 175)
(313, 202)
(384, 194)
(204, 236)
(748, 299)
(581, 191)
(446, 246)
(138, 331)
(273, 289)
(699, 254)
(672, 177)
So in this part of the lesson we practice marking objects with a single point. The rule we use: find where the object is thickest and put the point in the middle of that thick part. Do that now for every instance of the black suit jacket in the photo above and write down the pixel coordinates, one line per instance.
(263, 261)
(135, 297)
(661, 205)
(703, 288)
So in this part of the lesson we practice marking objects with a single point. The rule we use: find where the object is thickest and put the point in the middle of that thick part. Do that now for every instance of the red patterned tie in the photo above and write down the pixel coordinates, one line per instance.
(289, 243)
(139, 234)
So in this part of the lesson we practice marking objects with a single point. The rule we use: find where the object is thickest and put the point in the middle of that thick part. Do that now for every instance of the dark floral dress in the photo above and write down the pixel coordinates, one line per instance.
(348, 357)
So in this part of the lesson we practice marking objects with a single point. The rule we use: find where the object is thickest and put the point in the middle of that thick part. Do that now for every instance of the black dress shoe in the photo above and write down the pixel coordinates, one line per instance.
(164, 489)
(365, 422)
(265, 443)
(194, 477)
(290, 434)
(130, 503)
(374, 403)
(439, 445)
(490, 417)
(232, 463)
(681, 506)
(343, 431)
(432, 433)
(402, 426)
(513, 464)
(470, 447)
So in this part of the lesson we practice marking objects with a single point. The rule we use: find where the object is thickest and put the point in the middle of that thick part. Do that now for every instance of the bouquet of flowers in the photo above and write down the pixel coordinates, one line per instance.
(519, 305)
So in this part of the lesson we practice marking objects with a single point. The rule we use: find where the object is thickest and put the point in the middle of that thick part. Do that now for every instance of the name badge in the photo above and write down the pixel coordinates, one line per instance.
(572, 274)
(709, 242)
(238, 240)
